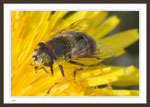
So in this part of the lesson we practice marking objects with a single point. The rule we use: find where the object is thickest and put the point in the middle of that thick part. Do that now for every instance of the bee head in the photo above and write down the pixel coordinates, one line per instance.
(42, 55)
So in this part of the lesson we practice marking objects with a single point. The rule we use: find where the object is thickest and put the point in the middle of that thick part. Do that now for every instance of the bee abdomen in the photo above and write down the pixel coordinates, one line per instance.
(60, 46)
(84, 45)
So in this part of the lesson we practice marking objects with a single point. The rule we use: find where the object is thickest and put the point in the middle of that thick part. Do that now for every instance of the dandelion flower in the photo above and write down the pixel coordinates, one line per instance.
(28, 28)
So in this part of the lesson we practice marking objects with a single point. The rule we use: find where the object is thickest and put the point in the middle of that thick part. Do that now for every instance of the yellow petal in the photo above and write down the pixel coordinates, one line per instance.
(106, 27)
(131, 77)
(36, 20)
(95, 16)
(99, 18)
(103, 78)
(125, 93)
(122, 39)
(73, 18)
(66, 88)
(134, 92)
(119, 52)
(55, 20)
(110, 92)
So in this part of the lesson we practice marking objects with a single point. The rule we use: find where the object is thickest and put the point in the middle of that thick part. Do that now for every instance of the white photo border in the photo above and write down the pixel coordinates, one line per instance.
(73, 7)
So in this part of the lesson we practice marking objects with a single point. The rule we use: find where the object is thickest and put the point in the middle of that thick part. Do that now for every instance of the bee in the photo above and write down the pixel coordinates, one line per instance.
(70, 43)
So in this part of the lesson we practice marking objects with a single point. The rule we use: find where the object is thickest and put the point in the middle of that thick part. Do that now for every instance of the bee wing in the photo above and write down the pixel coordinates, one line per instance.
(79, 26)
(104, 51)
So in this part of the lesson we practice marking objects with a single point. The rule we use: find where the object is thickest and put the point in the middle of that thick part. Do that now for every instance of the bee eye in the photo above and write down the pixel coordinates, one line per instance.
(41, 44)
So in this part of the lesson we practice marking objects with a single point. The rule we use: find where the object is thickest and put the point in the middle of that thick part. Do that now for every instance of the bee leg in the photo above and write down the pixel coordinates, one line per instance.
(51, 69)
(77, 63)
(75, 71)
(62, 71)
(36, 68)
(49, 89)
(53, 86)
(44, 69)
